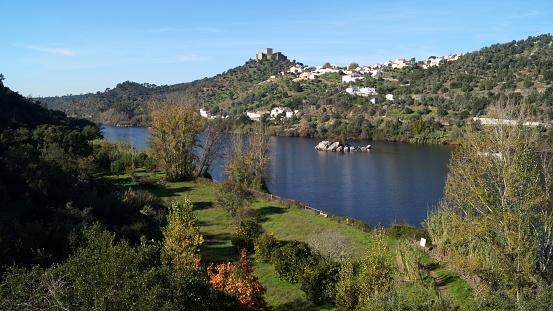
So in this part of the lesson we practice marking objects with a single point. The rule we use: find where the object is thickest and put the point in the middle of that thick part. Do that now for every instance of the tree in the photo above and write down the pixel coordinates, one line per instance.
(353, 65)
(375, 273)
(174, 137)
(182, 237)
(247, 230)
(331, 246)
(326, 65)
(213, 142)
(248, 158)
(238, 279)
(346, 293)
(496, 216)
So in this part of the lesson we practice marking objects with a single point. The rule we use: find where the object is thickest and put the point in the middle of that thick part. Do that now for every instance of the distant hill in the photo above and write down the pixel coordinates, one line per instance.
(127, 103)
(519, 71)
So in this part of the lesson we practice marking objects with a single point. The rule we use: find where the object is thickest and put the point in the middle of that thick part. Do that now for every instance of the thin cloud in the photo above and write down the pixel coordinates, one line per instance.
(57, 51)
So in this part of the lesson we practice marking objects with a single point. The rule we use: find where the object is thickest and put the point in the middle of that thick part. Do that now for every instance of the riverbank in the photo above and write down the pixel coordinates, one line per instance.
(287, 220)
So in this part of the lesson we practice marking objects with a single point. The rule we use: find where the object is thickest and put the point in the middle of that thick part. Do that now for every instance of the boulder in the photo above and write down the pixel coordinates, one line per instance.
(323, 145)
(333, 146)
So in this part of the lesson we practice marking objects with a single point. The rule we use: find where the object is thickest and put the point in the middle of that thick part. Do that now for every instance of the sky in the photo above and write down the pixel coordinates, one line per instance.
(54, 48)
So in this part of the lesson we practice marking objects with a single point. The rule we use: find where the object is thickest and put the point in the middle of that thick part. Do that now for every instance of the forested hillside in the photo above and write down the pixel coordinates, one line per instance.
(428, 106)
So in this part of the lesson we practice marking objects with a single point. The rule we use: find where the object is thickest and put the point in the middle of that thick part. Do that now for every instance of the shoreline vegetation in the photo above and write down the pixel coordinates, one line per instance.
(88, 224)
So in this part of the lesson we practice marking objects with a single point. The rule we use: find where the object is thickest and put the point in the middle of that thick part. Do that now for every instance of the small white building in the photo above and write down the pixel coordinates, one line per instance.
(205, 113)
(308, 75)
(280, 110)
(352, 77)
(389, 97)
(296, 69)
(256, 115)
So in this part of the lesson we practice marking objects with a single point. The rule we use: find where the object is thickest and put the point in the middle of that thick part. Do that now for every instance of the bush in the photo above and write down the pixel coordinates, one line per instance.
(247, 231)
(292, 260)
(407, 232)
(141, 158)
(149, 164)
(265, 246)
(118, 167)
(319, 283)
(231, 196)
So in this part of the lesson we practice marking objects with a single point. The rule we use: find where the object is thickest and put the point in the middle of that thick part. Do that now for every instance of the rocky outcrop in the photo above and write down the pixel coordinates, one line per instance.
(326, 145)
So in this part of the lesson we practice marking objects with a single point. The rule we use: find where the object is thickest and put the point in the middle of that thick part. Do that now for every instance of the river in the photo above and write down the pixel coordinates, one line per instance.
(393, 183)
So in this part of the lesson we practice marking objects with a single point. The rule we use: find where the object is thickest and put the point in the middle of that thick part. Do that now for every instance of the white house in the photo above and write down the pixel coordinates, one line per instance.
(400, 63)
(351, 77)
(205, 113)
(308, 75)
(256, 115)
(364, 91)
(368, 91)
(352, 90)
(389, 97)
(296, 69)
(279, 110)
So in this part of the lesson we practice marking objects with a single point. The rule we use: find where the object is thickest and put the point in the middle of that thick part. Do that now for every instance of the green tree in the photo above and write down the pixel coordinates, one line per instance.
(319, 282)
(182, 237)
(346, 292)
(247, 230)
(376, 268)
(174, 137)
(496, 216)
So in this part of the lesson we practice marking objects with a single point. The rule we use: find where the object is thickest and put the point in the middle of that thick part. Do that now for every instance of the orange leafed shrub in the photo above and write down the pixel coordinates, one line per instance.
(238, 279)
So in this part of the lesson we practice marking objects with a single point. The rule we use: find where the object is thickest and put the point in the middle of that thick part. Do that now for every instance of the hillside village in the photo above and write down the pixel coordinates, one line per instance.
(304, 72)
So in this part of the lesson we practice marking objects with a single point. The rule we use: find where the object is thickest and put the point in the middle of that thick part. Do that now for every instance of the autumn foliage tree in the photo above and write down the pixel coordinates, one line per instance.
(174, 138)
(238, 279)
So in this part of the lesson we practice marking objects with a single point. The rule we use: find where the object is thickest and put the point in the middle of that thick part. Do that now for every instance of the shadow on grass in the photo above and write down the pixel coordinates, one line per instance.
(198, 206)
(265, 211)
(216, 248)
(296, 305)
(170, 192)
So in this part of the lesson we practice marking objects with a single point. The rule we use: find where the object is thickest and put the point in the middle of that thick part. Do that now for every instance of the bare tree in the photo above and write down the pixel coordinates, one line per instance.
(248, 157)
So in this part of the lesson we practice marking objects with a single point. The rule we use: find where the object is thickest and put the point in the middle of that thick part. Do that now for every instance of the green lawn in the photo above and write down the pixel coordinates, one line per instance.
(285, 223)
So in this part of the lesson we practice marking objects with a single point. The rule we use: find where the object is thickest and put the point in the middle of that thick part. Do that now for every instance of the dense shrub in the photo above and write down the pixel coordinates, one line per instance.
(246, 232)
(232, 196)
(319, 282)
(265, 246)
(291, 261)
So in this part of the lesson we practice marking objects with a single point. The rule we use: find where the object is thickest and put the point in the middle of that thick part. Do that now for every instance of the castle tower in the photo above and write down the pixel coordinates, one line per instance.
(269, 53)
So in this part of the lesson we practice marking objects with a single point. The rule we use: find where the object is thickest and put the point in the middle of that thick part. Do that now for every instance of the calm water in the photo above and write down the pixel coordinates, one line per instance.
(393, 183)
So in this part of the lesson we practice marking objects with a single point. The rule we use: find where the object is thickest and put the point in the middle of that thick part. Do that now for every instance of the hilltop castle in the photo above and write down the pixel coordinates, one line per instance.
(270, 55)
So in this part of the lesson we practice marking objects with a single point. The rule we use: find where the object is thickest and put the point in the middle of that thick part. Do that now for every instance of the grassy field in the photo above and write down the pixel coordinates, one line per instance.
(285, 223)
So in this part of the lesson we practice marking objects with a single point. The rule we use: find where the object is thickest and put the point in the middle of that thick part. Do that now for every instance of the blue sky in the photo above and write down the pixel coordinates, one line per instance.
(50, 48)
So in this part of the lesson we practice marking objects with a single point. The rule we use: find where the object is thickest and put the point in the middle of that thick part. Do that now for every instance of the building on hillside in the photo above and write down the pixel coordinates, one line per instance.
(363, 91)
(256, 115)
(270, 55)
(282, 110)
(205, 113)
(296, 69)
(352, 77)
(308, 75)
